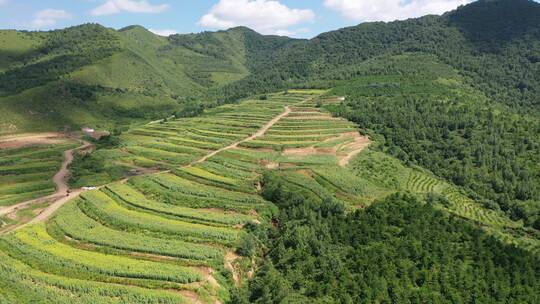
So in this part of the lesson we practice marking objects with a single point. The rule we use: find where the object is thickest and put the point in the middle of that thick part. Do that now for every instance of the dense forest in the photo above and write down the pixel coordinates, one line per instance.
(494, 44)
(429, 117)
(399, 250)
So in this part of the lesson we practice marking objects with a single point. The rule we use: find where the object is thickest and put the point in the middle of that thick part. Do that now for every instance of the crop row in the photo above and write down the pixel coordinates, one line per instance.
(76, 225)
(24, 284)
(36, 247)
(26, 173)
(124, 194)
(105, 210)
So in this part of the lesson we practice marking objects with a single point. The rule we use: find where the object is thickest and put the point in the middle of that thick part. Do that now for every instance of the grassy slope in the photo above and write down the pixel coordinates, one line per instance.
(143, 77)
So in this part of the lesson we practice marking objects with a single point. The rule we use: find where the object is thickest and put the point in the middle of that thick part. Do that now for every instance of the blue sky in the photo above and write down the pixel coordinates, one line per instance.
(298, 18)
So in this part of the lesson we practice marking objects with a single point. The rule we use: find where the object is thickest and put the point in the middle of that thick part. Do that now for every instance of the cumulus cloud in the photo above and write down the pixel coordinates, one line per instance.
(111, 7)
(265, 16)
(390, 10)
(163, 32)
(49, 17)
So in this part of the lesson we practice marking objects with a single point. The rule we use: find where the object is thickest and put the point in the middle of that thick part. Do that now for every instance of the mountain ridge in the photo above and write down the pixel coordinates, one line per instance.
(39, 70)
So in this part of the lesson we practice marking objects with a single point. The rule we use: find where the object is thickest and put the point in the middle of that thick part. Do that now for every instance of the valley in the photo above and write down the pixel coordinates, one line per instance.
(386, 162)
(187, 221)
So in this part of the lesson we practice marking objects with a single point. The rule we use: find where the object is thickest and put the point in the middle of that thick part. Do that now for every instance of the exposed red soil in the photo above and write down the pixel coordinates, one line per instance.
(352, 149)
(308, 151)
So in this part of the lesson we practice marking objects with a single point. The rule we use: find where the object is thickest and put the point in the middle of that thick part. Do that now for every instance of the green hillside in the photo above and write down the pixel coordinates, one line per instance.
(493, 44)
(91, 75)
(389, 162)
(87, 74)
(221, 201)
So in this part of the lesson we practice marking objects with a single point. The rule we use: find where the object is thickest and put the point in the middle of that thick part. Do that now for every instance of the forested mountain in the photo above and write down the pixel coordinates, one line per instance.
(495, 44)
(235, 171)
(89, 74)
(399, 250)
(97, 72)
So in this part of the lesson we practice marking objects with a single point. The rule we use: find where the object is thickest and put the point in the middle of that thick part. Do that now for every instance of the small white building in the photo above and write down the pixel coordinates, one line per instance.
(341, 98)
(88, 130)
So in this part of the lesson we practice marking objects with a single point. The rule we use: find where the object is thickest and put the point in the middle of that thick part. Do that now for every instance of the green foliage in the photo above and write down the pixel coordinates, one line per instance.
(430, 118)
(26, 173)
(398, 250)
(134, 74)
(23, 284)
(94, 169)
(62, 52)
(72, 222)
(44, 253)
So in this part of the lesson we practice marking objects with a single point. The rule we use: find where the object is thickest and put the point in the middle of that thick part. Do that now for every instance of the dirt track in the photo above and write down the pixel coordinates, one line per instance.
(59, 198)
(360, 143)
(259, 133)
(25, 140)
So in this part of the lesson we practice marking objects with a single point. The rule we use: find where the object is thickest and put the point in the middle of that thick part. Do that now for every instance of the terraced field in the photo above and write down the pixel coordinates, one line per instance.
(172, 236)
(176, 230)
(26, 173)
(177, 143)
(390, 175)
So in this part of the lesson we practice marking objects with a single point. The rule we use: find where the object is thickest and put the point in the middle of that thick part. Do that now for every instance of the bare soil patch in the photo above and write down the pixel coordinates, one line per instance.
(352, 149)
(230, 257)
(26, 140)
(312, 117)
(308, 151)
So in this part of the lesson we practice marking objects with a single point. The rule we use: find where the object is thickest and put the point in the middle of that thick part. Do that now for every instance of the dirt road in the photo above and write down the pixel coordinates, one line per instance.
(25, 140)
(59, 198)
(360, 143)
(259, 133)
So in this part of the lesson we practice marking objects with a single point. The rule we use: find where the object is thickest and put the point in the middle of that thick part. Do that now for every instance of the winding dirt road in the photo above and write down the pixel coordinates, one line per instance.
(259, 133)
(59, 198)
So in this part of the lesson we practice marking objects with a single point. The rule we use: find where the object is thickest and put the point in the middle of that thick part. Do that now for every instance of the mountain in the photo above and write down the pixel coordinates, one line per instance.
(382, 163)
(89, 74)
(86, 74)
(495, 44)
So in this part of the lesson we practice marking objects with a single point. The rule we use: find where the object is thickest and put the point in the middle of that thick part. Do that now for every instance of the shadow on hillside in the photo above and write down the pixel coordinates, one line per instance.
(492, 25)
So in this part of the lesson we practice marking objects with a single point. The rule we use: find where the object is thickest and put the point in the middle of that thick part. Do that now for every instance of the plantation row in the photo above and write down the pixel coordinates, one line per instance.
(304, 149)
(301, 130)
(26, 173)
(387, 175)
(177, 143)
(176, 230)
(166, 231)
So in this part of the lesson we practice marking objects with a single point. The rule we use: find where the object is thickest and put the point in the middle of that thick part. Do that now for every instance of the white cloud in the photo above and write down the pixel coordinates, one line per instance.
(49, 17)
(163, 32)
(264, 16)
(390, 10)
(2, 2)
(131, 6)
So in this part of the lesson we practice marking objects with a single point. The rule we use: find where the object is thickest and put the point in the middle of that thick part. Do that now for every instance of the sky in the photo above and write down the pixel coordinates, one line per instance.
(298, 18)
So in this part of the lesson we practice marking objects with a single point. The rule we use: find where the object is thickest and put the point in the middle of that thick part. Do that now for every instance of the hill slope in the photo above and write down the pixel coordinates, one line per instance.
(85, 74)
(89, 75)
(495, 44)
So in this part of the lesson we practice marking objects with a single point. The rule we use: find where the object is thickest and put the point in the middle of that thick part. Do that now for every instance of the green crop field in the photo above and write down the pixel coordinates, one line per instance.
(384, 162)
(26, 173)
(176, 229)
